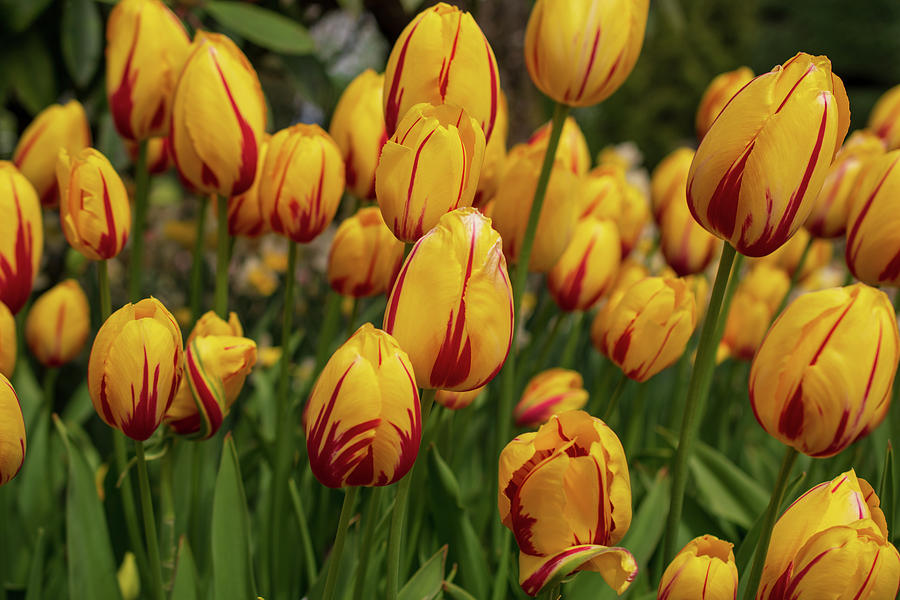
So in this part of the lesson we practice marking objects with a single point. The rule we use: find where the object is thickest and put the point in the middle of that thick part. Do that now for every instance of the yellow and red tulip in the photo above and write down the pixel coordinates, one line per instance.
(605, 193)
(550, 392)
(158, 154)
(146, 46)
(451, 307)
(587, 269)
(245, 211)
(58, 324)
(565, 493)
(758, 296)
(8, 341)
(687, 247)
(718, 93)
(457, 400)
(12, 432)
(21, 237)
(781, 131)
(363, 421)
(573, 149)
(703, 570)
(365, 256)
(884, 120)
(669, 180)
(788, 256)
(211, 323)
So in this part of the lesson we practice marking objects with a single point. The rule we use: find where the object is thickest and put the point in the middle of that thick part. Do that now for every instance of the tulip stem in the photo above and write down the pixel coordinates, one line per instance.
(733, 282)
(309, 557)
(795, 278)
(351, 320)
(698, 390)
(365, 547)
(197, 263)
(765, 534)
(167, 528)
(326, 333)
(549, 339)
(614, 397)
(222, 258)
(568, 355)
(550, 593)
(149, 521)
(338, 548)
(141, 187)
(103, 281)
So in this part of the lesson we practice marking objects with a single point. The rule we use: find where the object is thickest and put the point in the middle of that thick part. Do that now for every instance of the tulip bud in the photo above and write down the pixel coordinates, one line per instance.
(158, 159)
(512, 207)
(8, 342)
(21, 237)
(12, 432)
(758, 296)
(428, 168)
(884, 120)
(494, 157)
(94, 209)
(218, 117)
(58, 324)
(588, 267)
(687, 247)
(873, 244)
(302, 182)
(135, 367)
(245, 212)
(782, 130)
(832, 542)
(550, 392)
(457, 400)
(579, 53)
(704, 569)
(822, 377)
(788, 256)
(211, 323)
(668, 181)
(564, 492)
(573, 149)
(57, 126)
(451, 306)
(146, 46)
(649, 327)
(357, 127)
(630, 272)
(365, 256)
(442, 57)
(363, 421)
(606, 193)
(718, 93)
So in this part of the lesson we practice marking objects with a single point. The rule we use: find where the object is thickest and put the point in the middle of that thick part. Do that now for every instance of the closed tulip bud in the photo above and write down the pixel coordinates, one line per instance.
(573, 149)
(218, 117)
(365, 256)
(94, 209)
(494, 157)
(146, 46)
(158, 154)
(668, 181)
(550, 392)
(718, 93)
(457, 400)
(8, 341)
(135, 367)
(873, 243)
(579, 52)
(245, 212)
(703, 570)
(831, 209)
(21, 237)
(442, 57)
(788, 256)
(630, 272)
(649, 327)
(302, 182)
(832, 542)
(884, 120)
(588, 267)
(58, 324)
(451, 307)
(512, 206)
(357, 127)
(428, 168)
(12, 432)
(565, 493)
(758, 296)
(363, 421)
(606, 193)
(822, 377)
(781, 131)
(211, 323)
(687, 247)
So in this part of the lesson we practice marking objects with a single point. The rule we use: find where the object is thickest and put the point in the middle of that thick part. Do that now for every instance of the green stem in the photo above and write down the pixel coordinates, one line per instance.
(698, 390)
(765, 534)
(103, 281)
(329, 324)
(795, 277)
(568, 355)
(309, 555)
(733, 282)
(197, 264)
(498, 592)
(614, 397)
(222, 258)
(167, 528)
(142, 184)
(549, 593)
(549, 339)
(149, 521)
(351, 321)
(338, 549)
(129, 507)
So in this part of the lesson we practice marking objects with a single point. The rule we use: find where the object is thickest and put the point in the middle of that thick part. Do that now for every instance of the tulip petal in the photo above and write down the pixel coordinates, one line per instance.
(617, 566)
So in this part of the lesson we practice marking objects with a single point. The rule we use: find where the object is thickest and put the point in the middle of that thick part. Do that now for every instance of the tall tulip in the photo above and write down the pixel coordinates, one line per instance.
(703, 570)
(718, 93)
(687, 247)
(550, 392)
(668, 180)
(8, 341)
(21, 237)
(573, 149)
(758, 296)
(365, 256)
(58, 324)
(884, 120)
(12, 432)
(588, 267)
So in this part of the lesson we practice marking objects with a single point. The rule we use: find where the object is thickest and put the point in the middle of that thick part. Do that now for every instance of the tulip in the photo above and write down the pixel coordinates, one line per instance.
(579, 52)
(428, 168)
(832, 542)
(21, 237)
(758, 296)
(218, 117)
(94, 209)
(630, 272)
(57, 126)
(210, 323)
(822, 377)
(782, 129)
(494, 156)
(58, 324)
(565, 494)
(451, 307)
(12, 432)
(442, 57)
(363, 421)
(788, 256)
(457, 400)
(668, 181)
(884, 120)
(357, 127)
(8, 341)
(588, 267)
(302, 182)
(245, 212)
(573, 149)
(719, 93)
(873, 246)
(158, 154)
(146, 46)
(135, 367)
(550, 392)
(365, 256)
(649, 327)
(703, 570)
(512, 207)
(606, 193)
(687, 247)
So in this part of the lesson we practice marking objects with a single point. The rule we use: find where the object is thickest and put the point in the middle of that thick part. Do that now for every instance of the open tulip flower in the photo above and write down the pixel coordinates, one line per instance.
(21, 237)
(565, 493)
(58, 324)
(551, 392)
(12, 432)
(703, 570)
(718, 93)
(365, 256)
(832, 542)
(884, 120)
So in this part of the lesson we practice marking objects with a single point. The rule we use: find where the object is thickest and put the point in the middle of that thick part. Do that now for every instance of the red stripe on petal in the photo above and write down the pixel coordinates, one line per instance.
(590, 65)
(247, 169)
(395, 95)
(121, 102)
(143, 419)
(16, 281)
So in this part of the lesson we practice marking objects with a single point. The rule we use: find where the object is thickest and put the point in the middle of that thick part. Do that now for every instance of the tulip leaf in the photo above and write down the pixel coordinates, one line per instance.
(262, 27)
(185, 586)
(36, 499)
(82, 39)
(36, 571)
(724, 489)
(454, 592)
(17, 15)
(427, 582)
(886, 488)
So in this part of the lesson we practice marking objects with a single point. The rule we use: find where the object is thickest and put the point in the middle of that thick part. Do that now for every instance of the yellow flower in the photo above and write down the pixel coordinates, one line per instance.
(884, 120)
(12, 432)
(588, 267)
(457, 400)
(702, 570)
(8, 342)
(158, 154)
(550, 392)
(21, 237)
(873, 243)
(668, 181)
(365, 256)
(718, 93)
(788, 256)
(687, 247)
(211, 323)
(605, 193)
(573, 149)
(58, 324)
(245, 211)
(753, 307)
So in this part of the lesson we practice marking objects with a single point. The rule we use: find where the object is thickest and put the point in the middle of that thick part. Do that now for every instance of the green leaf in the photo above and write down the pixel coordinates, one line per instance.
(185, 586)
(36, 573)
(427, 582)
(29, 67)
(886, 489)
(232, 568)
(17, 15)
(82, 39)
(724, 489)
(36, 498)
(262, 27)
(455, 592)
